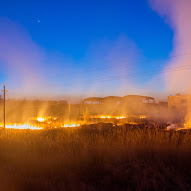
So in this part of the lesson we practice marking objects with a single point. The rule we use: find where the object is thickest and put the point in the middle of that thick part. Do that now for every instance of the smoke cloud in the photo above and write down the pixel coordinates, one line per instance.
(177, 14)
(30, 70)
(21, 59)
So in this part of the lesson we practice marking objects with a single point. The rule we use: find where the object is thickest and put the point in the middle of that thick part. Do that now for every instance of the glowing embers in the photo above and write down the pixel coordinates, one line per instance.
(22, 126)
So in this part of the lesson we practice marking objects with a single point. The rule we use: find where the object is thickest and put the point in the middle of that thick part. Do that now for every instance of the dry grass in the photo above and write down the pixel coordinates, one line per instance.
(101, 158)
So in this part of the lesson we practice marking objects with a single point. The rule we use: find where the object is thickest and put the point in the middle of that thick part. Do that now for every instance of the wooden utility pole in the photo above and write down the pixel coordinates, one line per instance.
(4, 105)
(69, 110)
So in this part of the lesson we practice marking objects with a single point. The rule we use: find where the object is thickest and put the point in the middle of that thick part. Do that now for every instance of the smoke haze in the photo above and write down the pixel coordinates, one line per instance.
(35, 68)
(30, 70)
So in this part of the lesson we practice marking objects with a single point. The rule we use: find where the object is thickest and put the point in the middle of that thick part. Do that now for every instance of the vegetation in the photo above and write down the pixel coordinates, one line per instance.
(98, 157)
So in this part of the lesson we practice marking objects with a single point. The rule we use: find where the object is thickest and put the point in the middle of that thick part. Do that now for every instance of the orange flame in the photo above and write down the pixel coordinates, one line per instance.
(22, 126)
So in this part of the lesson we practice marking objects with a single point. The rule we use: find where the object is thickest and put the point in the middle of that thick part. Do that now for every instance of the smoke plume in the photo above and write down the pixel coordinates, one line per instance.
(177, 14)
(20, 58)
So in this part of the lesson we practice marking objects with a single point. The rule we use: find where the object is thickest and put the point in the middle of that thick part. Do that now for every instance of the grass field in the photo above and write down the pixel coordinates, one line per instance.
(101, 157)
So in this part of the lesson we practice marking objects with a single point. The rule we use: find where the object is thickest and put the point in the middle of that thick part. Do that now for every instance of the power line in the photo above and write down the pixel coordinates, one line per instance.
(186, 67)
(151, 60)
(120, 66)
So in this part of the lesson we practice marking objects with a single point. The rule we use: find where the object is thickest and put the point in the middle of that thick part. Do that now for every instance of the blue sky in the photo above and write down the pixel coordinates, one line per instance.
(76, 37)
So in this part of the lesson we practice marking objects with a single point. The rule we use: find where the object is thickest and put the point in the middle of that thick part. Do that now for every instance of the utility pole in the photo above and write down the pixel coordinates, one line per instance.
(4, 104)
(69, 109)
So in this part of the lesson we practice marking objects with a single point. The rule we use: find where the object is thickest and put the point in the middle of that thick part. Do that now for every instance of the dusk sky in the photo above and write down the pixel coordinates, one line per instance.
(94, 48)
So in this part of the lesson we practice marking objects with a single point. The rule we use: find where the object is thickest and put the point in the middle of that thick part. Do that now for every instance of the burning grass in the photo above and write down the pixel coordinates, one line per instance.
(96, 157)
(71, 125)
(21, 126)
(111, 117)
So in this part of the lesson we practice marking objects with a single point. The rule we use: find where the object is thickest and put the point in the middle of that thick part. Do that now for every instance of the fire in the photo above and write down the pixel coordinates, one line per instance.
(112, 117)
(121, 117)
(22, 126)
(187, 125)
(104, 117)
(56, 124)
(41, 119)
(71, 125)
(178, 127)
(142, 117)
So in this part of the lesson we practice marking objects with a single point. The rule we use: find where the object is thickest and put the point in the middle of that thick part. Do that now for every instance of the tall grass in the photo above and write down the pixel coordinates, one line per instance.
(99, 158)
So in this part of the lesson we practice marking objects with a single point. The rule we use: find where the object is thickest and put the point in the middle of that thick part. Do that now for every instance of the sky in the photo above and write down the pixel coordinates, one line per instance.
(94, 48)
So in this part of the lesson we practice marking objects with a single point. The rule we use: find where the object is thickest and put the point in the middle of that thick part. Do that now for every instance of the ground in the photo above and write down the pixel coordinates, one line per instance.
(99, 157)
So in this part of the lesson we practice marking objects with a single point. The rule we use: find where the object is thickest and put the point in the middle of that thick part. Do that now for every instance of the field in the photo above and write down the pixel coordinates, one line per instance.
(99, 157)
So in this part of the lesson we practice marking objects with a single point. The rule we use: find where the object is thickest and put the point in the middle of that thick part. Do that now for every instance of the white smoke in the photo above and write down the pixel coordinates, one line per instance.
(21, 59)
(177, 14)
